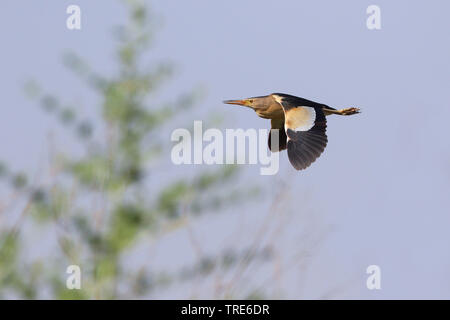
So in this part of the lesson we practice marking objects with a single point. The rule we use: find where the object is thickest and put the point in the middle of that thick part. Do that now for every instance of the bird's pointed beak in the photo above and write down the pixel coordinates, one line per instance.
(237, 102)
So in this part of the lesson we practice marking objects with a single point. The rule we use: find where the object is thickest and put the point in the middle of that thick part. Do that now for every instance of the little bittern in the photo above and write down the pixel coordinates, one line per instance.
(301, 123)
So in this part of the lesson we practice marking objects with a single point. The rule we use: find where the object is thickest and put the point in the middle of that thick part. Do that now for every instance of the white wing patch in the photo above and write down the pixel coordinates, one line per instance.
(300, 118)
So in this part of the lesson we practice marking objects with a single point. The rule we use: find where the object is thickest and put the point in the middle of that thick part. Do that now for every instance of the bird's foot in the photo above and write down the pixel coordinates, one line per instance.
(349, 111)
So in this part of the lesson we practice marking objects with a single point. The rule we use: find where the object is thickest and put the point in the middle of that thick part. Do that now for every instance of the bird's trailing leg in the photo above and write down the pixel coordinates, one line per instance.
(342, 112)
(348, 111)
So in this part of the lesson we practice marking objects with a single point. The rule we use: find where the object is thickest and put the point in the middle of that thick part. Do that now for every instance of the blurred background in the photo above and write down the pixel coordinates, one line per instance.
(86, 177)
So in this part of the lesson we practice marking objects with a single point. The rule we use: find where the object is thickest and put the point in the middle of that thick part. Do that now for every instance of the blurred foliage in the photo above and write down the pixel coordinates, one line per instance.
(121, 148)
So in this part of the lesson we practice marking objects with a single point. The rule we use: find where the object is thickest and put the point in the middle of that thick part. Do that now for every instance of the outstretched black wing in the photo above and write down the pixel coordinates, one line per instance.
(277, 130)
(305, 126)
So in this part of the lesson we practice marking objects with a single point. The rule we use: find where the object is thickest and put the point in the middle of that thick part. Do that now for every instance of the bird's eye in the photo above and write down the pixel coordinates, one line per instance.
(250, 100)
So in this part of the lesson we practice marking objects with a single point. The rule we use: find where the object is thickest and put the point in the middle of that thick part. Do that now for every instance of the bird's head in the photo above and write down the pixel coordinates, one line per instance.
(254, 103)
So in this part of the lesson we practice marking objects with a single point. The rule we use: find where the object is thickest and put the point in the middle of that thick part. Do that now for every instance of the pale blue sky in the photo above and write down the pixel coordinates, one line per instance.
(383, 182)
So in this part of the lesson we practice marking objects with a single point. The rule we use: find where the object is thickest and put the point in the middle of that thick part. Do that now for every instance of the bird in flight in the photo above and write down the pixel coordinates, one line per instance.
(301, 124)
